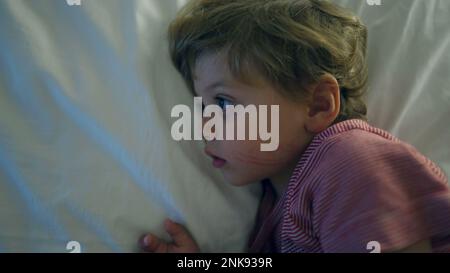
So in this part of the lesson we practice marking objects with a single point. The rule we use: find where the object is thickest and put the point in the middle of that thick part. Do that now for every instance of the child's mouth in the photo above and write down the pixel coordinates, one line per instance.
(217, 161)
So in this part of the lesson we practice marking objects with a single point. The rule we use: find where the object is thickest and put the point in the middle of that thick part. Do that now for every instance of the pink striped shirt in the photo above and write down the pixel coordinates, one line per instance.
(355, 184)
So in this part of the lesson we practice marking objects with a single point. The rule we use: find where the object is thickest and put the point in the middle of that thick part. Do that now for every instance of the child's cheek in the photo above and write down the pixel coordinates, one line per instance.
(249, 153)
(246, 164)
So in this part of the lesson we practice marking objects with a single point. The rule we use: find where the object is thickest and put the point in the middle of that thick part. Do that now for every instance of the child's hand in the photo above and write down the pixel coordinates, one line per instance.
(182, 240)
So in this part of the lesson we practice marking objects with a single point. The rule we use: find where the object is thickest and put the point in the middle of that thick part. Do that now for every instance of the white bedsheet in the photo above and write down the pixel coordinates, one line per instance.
(409, 64)
(85, 97)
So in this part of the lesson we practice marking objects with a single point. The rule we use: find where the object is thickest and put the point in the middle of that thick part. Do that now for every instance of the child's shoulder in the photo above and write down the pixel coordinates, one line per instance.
(354, 145)
(357, 138)
(355, 134)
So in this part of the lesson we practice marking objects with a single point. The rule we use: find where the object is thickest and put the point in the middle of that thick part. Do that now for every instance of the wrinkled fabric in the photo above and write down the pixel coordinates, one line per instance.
(85, 98)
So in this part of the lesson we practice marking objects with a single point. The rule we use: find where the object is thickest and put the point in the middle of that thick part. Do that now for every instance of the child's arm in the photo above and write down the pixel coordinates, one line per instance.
(182, 240)
(388, 193)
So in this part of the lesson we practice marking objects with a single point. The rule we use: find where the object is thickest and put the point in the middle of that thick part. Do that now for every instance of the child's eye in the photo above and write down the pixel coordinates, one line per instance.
(222, 102)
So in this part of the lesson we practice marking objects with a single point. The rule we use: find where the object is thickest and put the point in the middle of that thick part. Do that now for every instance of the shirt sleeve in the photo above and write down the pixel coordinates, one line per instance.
(383, 192)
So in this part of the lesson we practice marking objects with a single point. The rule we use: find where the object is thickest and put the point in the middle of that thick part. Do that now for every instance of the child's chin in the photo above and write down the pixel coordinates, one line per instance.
(238, 181)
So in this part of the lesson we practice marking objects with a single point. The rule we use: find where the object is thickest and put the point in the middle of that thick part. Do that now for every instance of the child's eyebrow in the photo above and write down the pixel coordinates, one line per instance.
(215, 85)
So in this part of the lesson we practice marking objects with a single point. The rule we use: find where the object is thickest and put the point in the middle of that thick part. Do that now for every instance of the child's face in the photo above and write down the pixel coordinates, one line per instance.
(243, 162)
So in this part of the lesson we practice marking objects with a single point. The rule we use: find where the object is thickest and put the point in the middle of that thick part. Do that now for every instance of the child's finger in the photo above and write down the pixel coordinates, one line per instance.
(152, 243)
(179, 234)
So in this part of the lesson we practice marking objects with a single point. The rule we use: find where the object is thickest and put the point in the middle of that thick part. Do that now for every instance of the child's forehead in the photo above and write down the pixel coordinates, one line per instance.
(212, 68)
(210, 62)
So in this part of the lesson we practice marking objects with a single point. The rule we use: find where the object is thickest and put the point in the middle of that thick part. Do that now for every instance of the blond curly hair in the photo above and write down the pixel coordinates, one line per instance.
(289, 42)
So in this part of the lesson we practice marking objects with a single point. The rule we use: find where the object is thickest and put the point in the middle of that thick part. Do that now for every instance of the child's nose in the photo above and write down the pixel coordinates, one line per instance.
(210, 132)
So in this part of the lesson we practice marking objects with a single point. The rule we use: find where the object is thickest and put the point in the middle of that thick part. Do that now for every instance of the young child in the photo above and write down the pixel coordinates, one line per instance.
(335, 183)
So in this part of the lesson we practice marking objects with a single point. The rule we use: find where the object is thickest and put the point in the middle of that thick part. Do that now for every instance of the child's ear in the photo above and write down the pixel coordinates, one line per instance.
(324, 104)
